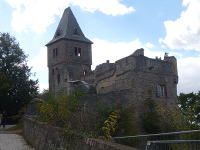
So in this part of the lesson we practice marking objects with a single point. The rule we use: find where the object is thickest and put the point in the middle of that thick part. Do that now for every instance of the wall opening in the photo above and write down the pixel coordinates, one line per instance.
(52, 72)
(84, 72)
(77, 51)
(58, 78)
(55, 52)
(161, 91)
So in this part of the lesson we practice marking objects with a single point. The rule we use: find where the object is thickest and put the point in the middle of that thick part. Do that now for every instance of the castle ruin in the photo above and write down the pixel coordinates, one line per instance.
(135, 76)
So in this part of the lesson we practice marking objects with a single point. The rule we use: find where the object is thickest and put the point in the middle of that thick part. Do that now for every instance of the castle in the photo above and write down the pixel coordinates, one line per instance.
(135, 76)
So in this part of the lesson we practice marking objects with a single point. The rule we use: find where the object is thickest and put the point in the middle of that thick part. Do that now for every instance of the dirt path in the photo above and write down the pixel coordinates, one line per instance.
(11, 140)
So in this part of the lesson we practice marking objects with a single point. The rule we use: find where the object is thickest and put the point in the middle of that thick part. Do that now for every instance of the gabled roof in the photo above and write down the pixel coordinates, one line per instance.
(69, 28)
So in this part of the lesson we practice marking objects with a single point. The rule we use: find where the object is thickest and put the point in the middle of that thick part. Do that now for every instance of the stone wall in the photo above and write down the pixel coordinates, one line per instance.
(141, 75)
(66, 64)
(45, 137)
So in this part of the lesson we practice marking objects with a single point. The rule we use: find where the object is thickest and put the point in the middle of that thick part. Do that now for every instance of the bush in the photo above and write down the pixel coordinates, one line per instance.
(150, 117)
(128, 123)
(159, 117)
(110, 125)
(100, 119)
(57, 110)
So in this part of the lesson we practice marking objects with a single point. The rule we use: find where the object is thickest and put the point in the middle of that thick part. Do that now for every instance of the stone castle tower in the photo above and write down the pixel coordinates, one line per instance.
(133, 78)
(69, 53)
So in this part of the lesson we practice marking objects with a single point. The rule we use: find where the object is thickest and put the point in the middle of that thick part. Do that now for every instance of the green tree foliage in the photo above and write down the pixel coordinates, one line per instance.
(59, 110)
(110, 125)
(171, 119)
(100, 114)
(73, 112)
(190, 107)
(16, 87)
(150, 117)
(128, 123)
(161, 117)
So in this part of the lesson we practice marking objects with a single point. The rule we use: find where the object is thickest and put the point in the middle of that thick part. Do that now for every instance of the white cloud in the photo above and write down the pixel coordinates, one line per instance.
(37, 15)
(39, 66)
(43, 86)
(149, 45)
(189, 73)
(108, 7)
(39, 62)
(184, 33)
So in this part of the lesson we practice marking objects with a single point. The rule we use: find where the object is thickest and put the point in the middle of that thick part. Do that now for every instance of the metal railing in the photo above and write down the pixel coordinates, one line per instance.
(173, 145)
(140, 141)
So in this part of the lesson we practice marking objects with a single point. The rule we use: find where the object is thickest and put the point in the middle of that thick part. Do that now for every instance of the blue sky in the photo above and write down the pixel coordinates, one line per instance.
(117, 28)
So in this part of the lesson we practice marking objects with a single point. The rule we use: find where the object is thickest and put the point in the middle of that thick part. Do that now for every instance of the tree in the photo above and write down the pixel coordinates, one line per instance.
(150, 117)
(190, 106)
(16, 87)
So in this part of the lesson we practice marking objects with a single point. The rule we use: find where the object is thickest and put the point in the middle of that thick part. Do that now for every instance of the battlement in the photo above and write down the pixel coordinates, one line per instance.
(139, 63)
(103, 68)
(137, 73)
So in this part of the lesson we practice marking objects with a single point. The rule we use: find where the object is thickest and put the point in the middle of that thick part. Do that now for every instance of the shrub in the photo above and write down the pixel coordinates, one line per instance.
(150, 117)
(128, 123)
(110, 124)
(57, 110)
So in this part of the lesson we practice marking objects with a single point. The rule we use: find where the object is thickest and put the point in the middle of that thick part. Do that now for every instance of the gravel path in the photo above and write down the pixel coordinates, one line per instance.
(13, 142)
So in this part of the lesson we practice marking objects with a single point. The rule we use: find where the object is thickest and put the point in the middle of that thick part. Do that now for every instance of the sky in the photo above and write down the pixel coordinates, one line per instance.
(116, 27)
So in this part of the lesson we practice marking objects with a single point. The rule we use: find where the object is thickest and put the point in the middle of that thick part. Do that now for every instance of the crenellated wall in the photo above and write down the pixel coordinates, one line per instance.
(139, 74)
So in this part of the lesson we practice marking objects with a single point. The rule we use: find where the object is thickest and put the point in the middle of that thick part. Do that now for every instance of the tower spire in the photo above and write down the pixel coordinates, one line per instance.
(69, 28)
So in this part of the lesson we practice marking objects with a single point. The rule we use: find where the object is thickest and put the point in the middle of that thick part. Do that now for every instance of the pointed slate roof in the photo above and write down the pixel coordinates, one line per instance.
(69, 28)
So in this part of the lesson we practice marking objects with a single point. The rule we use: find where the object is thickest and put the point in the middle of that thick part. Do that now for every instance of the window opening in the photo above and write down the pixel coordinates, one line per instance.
(77, 51)
(58, 78)
(161, 91)
(55, 52)
(52, 71)
(84, 72)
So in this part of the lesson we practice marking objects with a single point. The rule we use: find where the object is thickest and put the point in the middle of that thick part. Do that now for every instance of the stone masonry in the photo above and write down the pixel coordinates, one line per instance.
(140, 77)
(45, 137)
